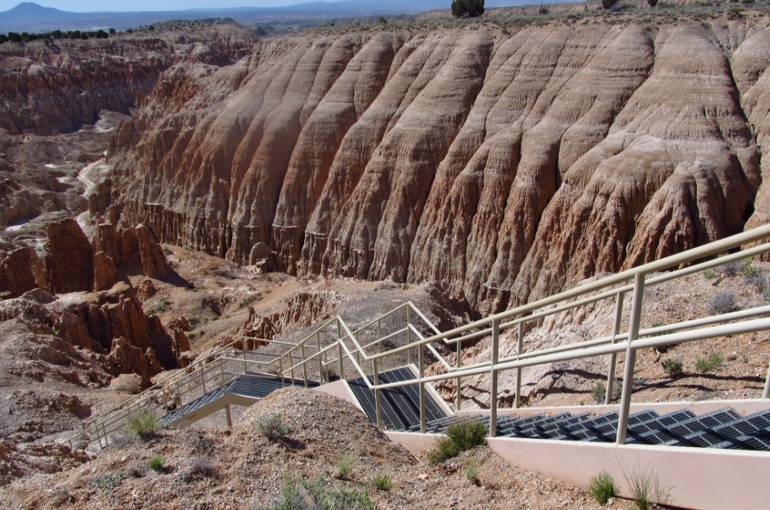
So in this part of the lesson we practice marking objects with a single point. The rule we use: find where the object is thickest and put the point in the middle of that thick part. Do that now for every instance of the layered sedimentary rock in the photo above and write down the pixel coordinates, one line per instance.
(59, 86)
(499, 166)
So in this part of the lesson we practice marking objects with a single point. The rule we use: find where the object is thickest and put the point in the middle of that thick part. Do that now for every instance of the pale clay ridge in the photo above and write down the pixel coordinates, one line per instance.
(474, 159)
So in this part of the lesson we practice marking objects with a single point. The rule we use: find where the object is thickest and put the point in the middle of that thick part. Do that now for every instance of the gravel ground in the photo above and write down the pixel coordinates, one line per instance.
(244, 469)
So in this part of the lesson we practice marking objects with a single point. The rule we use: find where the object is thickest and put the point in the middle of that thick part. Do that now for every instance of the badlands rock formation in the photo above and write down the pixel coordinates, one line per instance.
(476, 159)
(72, 263)
(57, 87)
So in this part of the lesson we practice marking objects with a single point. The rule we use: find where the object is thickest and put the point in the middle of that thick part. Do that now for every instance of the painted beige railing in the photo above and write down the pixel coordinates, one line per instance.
(423, 339)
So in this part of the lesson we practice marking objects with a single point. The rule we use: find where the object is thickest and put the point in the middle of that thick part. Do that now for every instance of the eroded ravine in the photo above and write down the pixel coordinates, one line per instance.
(473, 159)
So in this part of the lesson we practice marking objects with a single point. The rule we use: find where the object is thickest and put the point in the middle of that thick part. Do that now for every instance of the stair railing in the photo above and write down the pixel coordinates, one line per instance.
(628, 342)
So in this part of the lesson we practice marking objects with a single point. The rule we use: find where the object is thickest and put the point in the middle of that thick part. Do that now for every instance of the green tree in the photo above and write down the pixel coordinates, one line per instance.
(470, 8)
(608, 4)
(14, 37)
(3, 38)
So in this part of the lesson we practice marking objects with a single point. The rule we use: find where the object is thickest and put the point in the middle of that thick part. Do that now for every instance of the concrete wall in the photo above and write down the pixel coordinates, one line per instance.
(340, 389)
(687, 477)
(414, 442)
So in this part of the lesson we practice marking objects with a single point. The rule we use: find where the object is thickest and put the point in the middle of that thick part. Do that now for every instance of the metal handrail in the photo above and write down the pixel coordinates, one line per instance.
(607, 287)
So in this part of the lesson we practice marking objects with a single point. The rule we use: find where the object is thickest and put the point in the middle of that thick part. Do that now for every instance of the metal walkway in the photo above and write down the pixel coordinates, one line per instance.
(249, 387)
(719, 429)
(400, 407)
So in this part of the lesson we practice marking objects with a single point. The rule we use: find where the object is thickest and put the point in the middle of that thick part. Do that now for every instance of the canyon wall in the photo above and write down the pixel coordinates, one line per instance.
(59, 85)
(500, 165)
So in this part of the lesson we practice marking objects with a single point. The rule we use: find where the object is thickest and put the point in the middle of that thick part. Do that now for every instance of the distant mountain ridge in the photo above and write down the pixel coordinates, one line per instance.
(32, 17)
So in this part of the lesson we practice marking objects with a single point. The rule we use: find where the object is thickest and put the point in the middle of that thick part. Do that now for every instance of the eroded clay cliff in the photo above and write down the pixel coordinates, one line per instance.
(498, 165)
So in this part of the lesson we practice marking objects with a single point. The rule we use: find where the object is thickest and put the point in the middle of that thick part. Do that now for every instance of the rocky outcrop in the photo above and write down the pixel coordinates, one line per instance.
(498, 166)
(20, 270)
(69, 264)
(72, 263)
(151, 255)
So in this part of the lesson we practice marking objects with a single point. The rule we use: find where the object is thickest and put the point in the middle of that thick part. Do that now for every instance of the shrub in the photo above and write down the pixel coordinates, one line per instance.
(609, 4)
(730, 268)
(602, 488)
(471, 472)
(470, 8)
(748, 270)
(709, 363)
(298, 494)
(467, 435)
(673, 366)
(709, 274)
(645, 489)
(599, 392)
(722, 302)
(200, 468)
(157, 463)
(109, 481)
(143, 425)
(445, 449)
(652, 3)
(346, 464)
(382, 482)
(273, 428)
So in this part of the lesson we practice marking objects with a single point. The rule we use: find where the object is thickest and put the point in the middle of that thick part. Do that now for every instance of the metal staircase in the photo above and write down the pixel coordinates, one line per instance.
(384, 361)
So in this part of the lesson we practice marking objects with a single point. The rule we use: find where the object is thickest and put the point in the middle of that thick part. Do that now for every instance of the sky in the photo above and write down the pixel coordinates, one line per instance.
(145, 5)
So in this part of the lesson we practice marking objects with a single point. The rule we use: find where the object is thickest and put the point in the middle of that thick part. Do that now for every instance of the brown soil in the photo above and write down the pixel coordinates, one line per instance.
(242, 469)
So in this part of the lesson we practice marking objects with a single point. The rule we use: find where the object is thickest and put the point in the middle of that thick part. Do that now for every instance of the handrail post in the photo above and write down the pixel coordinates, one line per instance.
(203, 380)
(519, 349)
(628, 376)
(304, 363)
(493, 373)
(377, 403)
(291, 365)
(459, 363)
(408, 336)
(280, 368)
(766, 391)
(614, 355)
(341, 361)
(228, 417)
(320, 360)
(421, 364)
(245, 365)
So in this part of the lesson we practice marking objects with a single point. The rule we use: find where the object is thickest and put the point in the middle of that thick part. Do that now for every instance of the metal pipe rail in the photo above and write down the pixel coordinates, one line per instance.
(629, 342)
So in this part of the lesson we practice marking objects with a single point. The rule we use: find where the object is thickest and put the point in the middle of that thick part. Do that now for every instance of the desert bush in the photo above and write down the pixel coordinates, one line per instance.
(709, 274)
(646, 489)
(298, 494)
(471, 472)
(673, 366)
(143, 425)
(602, 487)
(460, 437)
(445, 449)
(599, 392)
(709, 363)
(470, 8)
(382, 482)
(723, 302)
(346, 464)
(609, 4)
(273, 428)
(109, 481)
(467, 435)
(157, 463)
(199, 469)
(730, 268)
(652, 3)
